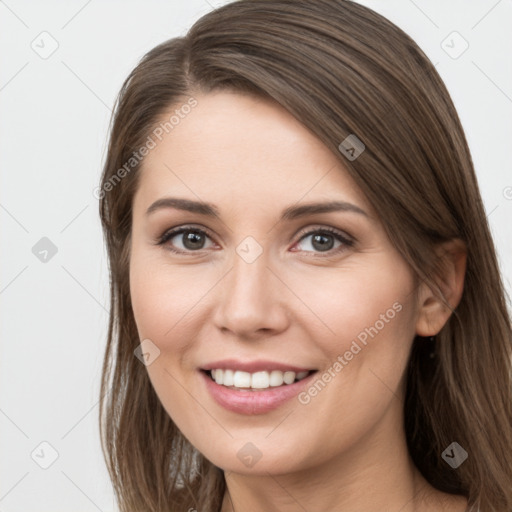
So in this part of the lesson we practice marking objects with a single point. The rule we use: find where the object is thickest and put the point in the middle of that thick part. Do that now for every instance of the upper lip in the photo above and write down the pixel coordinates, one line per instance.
(253, 366)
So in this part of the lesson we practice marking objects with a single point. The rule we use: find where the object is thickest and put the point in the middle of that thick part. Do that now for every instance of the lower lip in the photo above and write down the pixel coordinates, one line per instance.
(253, 402)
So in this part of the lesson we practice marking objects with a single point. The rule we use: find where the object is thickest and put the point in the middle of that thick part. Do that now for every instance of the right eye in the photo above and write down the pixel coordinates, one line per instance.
(192, 239)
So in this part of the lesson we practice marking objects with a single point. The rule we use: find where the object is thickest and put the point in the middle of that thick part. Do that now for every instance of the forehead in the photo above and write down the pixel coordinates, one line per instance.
(233, 146)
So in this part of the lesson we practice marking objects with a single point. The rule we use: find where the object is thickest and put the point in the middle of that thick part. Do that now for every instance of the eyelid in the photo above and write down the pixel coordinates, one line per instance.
(328, 229)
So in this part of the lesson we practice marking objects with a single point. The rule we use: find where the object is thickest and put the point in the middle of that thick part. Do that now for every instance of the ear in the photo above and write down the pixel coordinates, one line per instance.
(433, 310)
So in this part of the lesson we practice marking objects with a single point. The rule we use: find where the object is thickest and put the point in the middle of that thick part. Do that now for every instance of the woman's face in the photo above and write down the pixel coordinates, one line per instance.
(264, 287)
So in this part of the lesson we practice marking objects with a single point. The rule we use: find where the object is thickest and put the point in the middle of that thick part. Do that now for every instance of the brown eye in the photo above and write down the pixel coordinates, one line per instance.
(324, 240)
(191, 239)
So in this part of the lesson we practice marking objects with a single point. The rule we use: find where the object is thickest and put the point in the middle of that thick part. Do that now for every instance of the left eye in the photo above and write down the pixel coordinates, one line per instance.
(324, 239)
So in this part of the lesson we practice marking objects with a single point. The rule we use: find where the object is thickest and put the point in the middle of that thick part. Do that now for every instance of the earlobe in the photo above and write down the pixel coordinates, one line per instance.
(436, 306)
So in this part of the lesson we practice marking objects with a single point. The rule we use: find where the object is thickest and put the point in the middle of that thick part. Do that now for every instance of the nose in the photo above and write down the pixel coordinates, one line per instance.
(251, 303)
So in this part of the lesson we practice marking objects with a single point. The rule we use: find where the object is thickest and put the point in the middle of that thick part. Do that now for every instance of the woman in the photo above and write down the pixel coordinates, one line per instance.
(306, 307)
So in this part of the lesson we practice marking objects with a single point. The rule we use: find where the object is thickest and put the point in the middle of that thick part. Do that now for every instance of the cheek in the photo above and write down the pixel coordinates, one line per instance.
(163, 299)
(356, 303)
(364, 326)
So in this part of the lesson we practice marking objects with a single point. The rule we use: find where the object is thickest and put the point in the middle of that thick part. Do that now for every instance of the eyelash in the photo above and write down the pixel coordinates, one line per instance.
(340, 236)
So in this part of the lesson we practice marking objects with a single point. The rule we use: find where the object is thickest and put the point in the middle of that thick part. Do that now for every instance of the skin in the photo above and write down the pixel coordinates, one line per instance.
(345, 450)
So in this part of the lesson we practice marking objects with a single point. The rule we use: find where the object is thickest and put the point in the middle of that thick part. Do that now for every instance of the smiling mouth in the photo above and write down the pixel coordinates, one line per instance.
(257, 381)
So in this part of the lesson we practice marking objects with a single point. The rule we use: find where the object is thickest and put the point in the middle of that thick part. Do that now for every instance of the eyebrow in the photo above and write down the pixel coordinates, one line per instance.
(289, 213)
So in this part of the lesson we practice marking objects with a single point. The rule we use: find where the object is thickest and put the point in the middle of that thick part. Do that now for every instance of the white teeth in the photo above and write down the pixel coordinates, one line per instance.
(260, 380)
(240, 380)
(257, 380)
(289, 377)
(228, 378)
(276, 378)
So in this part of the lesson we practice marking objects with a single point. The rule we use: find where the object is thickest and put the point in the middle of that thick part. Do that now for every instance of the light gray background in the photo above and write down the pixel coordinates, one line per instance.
(54, 114)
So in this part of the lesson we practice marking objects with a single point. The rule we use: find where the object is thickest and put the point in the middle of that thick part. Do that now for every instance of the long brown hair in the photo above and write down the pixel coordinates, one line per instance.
(340, 69)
